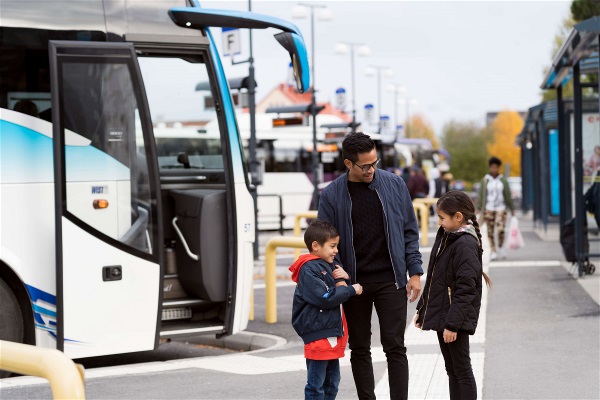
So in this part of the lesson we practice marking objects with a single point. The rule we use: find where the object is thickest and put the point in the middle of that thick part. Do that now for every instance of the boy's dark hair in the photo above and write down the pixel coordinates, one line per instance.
(355, 143)
(494, 160)
(320, 232)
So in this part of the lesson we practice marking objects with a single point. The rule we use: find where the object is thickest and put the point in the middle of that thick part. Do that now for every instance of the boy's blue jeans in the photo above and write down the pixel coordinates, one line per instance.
(323, 379)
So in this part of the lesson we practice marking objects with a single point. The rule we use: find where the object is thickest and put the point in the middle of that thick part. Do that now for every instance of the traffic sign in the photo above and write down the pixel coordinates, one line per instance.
(232, 43)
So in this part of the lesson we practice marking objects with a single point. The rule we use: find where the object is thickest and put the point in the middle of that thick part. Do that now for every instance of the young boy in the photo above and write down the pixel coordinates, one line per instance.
(317, 314)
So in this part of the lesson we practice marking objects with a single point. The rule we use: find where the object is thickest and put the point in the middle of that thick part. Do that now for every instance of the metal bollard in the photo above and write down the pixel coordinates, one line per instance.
(424, 211)
(307, 214)
(270, 289)
(66, 378)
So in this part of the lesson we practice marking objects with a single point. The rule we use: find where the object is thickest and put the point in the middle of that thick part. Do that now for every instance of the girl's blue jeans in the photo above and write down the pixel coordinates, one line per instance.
(323, 379)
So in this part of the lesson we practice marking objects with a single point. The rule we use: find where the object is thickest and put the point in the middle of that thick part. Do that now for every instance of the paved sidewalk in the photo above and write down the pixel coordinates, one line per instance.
(533, 295)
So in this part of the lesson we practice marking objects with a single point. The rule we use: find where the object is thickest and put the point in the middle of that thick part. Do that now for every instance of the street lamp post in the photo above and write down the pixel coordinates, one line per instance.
(396, 89)
(408, 102)
(363, 50)
(300, 11)
(376, 70)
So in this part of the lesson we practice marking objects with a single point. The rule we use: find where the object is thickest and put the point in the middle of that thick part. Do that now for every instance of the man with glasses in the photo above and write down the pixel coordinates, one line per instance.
(379, 246)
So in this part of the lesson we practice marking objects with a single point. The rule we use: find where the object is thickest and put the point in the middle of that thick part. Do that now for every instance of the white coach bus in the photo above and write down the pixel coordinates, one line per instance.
(104, 249)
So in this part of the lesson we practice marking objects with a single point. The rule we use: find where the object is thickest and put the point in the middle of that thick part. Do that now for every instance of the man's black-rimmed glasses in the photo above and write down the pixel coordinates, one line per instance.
(367, 167)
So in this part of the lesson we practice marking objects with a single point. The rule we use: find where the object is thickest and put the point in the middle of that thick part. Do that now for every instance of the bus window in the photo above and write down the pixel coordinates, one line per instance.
(102, 113)
(180, 111)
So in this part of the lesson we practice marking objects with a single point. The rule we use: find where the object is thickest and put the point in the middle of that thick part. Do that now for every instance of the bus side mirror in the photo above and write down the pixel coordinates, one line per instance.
(294, 44)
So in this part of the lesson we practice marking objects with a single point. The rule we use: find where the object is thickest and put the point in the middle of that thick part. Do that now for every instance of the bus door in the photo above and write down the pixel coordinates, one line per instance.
(108, 222)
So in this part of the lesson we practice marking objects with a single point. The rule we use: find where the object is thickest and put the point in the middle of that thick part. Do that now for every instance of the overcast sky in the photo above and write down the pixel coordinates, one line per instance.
(457, 59)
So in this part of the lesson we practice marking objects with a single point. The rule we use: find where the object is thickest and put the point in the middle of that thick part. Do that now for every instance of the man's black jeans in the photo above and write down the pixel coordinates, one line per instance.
(390, 305)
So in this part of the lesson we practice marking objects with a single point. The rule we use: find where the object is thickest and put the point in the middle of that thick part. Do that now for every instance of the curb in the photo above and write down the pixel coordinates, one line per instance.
(244, 341)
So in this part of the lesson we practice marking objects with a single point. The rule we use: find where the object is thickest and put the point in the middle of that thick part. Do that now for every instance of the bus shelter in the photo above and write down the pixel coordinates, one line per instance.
(543, 157)
(576, 145)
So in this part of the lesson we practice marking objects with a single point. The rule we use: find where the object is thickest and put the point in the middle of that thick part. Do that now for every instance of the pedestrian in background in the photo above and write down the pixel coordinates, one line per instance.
(317, 316)
(494, 200)
(452, 295)
(418, 187)
(379, 246)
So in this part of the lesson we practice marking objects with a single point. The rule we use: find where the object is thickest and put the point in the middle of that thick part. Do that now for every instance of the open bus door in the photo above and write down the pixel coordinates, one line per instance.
(108, 233)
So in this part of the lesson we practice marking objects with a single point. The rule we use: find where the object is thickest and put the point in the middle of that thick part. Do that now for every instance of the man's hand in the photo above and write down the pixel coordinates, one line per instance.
(449, 336)
(413, 288)
(358, 288)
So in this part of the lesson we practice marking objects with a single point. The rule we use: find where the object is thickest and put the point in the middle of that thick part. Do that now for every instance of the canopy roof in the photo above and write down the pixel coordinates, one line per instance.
(580, 47)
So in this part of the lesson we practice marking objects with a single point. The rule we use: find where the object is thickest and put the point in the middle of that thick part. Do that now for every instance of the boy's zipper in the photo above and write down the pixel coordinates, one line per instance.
(431, 280)
(450, 294)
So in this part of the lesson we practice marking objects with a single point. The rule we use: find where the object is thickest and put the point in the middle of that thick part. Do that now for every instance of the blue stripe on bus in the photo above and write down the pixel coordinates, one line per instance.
(44, 311)
(36, 294)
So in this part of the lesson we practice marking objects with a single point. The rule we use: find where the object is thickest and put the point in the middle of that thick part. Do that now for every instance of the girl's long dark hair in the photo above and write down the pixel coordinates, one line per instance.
(457, 201)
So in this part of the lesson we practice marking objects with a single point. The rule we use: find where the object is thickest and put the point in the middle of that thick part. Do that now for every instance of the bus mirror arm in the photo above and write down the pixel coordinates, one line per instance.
(185, 245)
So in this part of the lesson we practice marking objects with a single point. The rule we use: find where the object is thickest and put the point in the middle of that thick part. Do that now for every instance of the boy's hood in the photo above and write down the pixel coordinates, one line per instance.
(297, 265)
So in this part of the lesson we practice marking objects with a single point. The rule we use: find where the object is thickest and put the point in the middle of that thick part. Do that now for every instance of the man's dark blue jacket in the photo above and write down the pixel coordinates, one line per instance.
(400, 223)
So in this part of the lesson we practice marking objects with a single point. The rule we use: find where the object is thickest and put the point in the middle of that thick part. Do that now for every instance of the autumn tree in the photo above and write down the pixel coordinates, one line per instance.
(467, 144)
(419, 128)
(505, 128)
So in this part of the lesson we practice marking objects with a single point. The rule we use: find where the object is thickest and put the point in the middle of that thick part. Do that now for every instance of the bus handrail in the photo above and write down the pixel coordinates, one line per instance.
(185, 245)
(65, 377)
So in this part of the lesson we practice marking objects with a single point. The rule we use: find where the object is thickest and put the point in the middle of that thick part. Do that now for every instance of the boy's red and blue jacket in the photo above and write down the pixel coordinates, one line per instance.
(316, 311)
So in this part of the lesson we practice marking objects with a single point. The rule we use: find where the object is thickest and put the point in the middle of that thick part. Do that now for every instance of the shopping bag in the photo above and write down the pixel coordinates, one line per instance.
(515, 239)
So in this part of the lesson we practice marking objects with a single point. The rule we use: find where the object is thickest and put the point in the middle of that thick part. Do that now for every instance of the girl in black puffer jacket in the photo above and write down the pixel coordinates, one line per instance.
(452, 294)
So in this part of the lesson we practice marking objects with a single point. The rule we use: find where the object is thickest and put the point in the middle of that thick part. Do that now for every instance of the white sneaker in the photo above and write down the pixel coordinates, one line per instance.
(502, 254)
(494, 256)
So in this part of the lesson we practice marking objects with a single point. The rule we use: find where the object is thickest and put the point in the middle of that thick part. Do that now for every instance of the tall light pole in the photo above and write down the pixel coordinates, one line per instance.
(396, 89)
(363, 50)
(407, 102)
(300, 11)
(373, 70)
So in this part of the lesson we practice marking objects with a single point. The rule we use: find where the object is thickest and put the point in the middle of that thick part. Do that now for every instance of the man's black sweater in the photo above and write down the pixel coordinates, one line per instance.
(373, 264)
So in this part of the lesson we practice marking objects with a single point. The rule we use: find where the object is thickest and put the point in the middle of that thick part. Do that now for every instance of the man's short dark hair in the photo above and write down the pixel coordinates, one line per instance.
(320, 232)
(356, 143)
(494, 160)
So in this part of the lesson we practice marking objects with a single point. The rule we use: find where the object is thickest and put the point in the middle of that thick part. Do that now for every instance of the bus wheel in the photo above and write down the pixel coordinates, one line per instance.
(11, 319)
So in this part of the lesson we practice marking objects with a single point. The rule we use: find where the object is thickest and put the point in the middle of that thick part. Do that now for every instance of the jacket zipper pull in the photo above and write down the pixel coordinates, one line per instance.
(450, 295)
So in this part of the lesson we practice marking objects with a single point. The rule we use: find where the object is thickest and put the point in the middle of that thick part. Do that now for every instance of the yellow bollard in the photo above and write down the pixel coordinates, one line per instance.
(65, 377)
(307, 214)
(424, 221)
(251, 314)
(270, 289)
